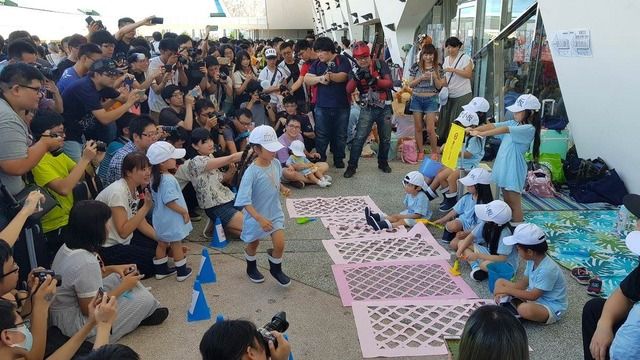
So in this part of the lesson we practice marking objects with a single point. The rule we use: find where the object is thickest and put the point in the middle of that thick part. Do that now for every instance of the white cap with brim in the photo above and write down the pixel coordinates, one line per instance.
(297, 148)
(496, 211)
(633, 242)
(415, 178)
(525, 102)
(467, 118)
(266, 137)
(161, 151)
(526, 234)
(477, 176)
(477, 104)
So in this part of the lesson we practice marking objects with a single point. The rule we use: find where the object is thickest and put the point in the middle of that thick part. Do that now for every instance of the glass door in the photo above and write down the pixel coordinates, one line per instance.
(463, 25)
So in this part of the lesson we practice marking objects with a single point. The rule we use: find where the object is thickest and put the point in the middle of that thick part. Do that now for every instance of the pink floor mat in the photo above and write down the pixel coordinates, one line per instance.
(354, 226)
(411, 327)
(417, 244)
(329, 206)
(399, 280)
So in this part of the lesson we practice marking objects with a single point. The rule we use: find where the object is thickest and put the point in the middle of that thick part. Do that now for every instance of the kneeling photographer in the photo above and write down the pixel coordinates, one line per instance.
(241, 340)
(209, 118)
(216, 85)
(259, 104)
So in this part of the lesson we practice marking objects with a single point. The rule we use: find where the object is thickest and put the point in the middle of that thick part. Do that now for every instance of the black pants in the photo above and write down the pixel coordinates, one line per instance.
(590, 315)
(140, 251)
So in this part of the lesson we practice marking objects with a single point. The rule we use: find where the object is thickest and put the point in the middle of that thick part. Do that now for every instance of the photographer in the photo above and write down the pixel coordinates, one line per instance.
(127, 32)
(243, 76)
(216, 86)
(304, 50)
(59, 174)
(106, 41)
(171, 73)
(236, 133)
(291, 110)
(295, 82)
(207, 118)
(239, 339)
(272, 77)
(180, 110)
(259, 103)
(87, 55)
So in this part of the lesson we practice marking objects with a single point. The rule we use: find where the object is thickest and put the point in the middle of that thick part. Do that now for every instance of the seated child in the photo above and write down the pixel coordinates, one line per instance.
(462, 219)
(299, 162)
(541, 294)
(485, 244)
(415, 200)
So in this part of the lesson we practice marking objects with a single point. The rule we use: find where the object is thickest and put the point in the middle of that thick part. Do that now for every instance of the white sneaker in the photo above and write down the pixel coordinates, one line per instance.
(323, 183)
(327, 178)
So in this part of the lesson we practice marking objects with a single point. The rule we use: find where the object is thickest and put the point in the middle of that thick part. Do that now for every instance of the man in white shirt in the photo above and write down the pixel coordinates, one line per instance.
(173, 73)
(271, 77)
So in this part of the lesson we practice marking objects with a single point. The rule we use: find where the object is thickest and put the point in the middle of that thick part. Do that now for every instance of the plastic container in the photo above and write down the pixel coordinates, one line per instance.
(429, 168)
(554, 142)
(499, 270)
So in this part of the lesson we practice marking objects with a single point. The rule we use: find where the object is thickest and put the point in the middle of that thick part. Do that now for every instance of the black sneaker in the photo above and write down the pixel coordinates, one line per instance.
(373, 223)
(156, 318)
(195, 217)
(448, 204)
(369, 213)
(384, 166)
(478, 274)
(339, 164)
(349, 172)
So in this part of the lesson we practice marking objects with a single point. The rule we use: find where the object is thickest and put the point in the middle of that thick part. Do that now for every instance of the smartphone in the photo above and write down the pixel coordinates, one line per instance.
(130, 270)
(99, 295)
(157, 20)
(128, 82)
(89, 20)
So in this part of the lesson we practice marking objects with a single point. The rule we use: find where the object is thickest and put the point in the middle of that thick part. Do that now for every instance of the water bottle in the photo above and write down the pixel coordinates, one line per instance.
(622, 221)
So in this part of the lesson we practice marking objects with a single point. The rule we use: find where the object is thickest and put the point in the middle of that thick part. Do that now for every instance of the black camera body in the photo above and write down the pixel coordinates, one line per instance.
(101, 146)
(42, 276)
(223, 76)
(278, 323)
(222, 118)
(265, 97)
(169, 129)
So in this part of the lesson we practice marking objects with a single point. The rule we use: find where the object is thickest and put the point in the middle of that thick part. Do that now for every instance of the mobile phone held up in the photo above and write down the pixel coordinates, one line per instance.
(157, 20)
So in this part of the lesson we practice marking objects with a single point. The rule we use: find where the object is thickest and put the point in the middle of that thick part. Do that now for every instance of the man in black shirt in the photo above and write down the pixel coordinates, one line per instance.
(127, 32)
(106, 41)
(180, 110)
(610, 327)
(294, 82)
(291, 111)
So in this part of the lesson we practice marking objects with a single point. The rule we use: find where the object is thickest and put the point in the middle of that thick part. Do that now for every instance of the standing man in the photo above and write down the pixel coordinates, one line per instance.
(294, 81)
(330, 74)
(305, 52)
(372, 81)
(127, 32)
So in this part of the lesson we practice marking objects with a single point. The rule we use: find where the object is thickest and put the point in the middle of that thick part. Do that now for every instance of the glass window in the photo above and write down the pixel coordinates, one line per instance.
(463, 25)
(518, 7)
(491, 20)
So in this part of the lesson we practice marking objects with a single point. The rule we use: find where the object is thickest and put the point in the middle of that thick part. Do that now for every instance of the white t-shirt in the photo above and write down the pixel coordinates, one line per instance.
(156, 103)
(117, 195)
(267, 74)
(458, 86)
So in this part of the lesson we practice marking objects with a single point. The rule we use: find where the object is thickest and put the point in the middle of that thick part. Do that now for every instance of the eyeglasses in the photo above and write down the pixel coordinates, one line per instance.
(34, 88)
(247, 123)
(361, 58)
(15, 269)
(293, 126)
(149, 134)
(290, 105)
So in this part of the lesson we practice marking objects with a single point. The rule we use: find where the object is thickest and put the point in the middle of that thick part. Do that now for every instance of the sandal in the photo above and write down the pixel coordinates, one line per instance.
(595, 287)
(581, 275)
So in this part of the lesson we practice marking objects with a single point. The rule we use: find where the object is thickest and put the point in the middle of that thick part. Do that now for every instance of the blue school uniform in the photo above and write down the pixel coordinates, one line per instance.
(418, 204)
(299, 160)
(510, 167)
(475, 146)
(548, 278)
(168, 224)
(260, 187)
(503, 249)
(465, 208)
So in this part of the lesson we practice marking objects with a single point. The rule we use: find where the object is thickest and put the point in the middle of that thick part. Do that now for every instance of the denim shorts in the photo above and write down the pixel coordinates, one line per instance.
(225, 212)
(424, 104)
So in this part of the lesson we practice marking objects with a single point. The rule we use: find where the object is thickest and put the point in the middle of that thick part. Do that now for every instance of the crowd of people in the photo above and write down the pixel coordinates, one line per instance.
(134, 139)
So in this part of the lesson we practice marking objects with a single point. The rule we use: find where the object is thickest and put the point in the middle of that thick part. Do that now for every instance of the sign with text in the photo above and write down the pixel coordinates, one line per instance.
(453, 146)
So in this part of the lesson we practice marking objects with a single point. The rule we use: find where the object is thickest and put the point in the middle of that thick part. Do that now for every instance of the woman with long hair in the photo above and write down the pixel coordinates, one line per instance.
(242, 77)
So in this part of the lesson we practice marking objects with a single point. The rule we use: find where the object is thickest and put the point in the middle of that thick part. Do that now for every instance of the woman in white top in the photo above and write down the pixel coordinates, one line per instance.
(242, 77)
(458, 68)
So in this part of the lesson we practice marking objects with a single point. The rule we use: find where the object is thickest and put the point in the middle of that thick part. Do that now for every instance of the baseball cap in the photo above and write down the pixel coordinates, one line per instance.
(105, 66)
(477, 104)
(297, 148)
(200, 134)
(415, 178)
(265, 136)
(632, 203)
(161, 151)
(526, 234)
(633, 242)
(270, 53)
(477, 176)
(525, 102)
(496, 211)
(468, 118)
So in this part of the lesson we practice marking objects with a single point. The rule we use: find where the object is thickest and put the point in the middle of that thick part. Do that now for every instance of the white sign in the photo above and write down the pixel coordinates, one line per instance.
(572, 43)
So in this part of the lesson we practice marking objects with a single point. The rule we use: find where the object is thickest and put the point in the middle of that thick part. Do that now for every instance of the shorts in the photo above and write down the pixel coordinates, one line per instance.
(424, 104)
(408, 222)
(225, 212)
(552, 316)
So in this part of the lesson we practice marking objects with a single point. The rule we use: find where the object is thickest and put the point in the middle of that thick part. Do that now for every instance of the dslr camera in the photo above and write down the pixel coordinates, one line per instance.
(264, 97)
(222, 118)
(278, 323)
(41, 275)
(101, 146)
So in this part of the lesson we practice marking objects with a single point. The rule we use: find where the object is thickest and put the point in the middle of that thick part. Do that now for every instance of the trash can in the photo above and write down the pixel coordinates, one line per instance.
(499, 270)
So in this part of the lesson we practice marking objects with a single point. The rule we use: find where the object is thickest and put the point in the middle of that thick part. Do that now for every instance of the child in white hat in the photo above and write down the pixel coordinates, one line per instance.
(299, 162)
(415, 200)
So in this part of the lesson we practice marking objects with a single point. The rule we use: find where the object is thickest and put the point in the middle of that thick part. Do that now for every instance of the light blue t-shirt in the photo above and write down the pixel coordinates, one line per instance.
(418, 204)
(299, 160)
(260, 187)
(626, 343)
(465, 208)
(475, 146)
(510, 167)
(168, 224)
(503, 249)
(548, 278)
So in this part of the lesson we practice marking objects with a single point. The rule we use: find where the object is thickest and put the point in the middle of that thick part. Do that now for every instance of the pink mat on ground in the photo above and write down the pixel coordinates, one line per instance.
(399, 280)
(411, 327)
(354, 226)
(329, 206)
(417, 244)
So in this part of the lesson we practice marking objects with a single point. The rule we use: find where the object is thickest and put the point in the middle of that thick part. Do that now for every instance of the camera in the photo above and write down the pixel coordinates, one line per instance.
(157, 20)
(264, 97)
(222, 118)
(42, 276)
(168, 68)
(169, 129)
(182, 60)
(278, 323)
(101, 146)
(223, 76)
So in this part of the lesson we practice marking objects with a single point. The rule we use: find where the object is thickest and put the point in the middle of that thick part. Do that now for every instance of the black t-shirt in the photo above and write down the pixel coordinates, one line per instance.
(295, 74)
(630, 286)
(121, 47)
(81, 98)
(332, 95)
(140, 78)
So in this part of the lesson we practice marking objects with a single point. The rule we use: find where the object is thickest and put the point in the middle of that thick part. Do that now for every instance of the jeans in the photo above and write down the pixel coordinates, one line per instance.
(354, 115)
(73, 149)
(331, 127)
(369, 115)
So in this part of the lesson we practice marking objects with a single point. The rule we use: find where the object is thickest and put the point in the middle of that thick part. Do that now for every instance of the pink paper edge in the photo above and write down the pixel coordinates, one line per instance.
(347, 299)
(381, 235)
(294, 214)
(365, 335)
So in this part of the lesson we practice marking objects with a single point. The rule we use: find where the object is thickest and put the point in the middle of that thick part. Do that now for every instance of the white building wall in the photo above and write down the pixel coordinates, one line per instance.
(601, 92)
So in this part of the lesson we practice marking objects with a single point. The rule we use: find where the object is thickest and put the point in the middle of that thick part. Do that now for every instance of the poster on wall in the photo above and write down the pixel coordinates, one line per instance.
(572, 43)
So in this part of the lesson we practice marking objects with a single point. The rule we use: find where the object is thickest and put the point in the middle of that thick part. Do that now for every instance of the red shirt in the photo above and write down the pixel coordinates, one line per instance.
(304, 69)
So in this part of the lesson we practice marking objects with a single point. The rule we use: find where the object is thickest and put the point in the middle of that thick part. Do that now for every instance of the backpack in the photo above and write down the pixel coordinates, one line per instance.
(539, 183)
(409, 151)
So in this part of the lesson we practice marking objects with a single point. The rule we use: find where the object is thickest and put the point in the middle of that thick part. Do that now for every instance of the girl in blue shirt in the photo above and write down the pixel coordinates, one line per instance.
(259, 194)
(170, 214)
(462, 219)
(485, 244)
(510, 166)
(541, 294)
